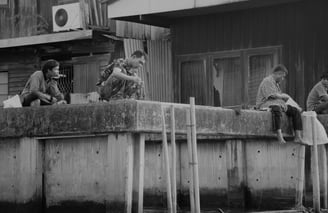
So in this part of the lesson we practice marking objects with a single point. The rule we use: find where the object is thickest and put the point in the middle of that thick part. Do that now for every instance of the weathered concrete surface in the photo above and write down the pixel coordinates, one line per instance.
(130, 116)
(68, 119)
(20, 175)
(248, 170)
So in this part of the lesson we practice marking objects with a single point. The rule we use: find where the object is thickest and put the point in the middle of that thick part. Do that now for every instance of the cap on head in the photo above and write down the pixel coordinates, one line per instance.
(280, 68)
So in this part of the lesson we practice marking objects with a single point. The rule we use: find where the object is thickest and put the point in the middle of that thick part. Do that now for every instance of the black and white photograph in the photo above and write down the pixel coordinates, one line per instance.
(163, 106)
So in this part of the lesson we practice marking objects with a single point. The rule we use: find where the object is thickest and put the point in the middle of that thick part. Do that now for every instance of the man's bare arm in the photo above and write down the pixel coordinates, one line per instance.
(118, 74)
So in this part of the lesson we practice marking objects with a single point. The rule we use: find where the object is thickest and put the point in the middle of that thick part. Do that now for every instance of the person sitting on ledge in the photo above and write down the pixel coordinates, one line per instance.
(53, 90)
(269, 96)
(317, 99)
(120, 80)
(35, 90)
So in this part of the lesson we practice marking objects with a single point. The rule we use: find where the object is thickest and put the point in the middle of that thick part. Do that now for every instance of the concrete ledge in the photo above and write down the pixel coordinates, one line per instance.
(133, 116)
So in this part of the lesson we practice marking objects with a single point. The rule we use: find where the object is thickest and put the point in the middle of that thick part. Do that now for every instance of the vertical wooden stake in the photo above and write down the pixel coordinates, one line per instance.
(129, 176)
(191, 182)
(315, 170)
(194, 152)
(141, 171)
(323, 159)
(174, 162)
(300, 175)
(167, 164)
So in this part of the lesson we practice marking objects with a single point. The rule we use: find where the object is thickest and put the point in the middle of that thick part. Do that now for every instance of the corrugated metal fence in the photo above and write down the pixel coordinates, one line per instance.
(157, 73)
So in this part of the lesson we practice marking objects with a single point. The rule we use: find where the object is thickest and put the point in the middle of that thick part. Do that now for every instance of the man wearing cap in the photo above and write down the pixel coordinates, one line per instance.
(317, 99)
(269, 96)
(120, 80)
(35, 90)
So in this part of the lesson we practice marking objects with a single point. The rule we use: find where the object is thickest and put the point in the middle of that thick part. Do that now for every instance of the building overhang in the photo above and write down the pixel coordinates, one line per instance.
(163, 13)
(46, 38)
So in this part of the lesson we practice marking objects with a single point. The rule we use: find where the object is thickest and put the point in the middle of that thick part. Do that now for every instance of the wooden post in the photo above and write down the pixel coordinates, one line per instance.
(300, 175)
(323, 160)
(194, 152)
(315, 170)
(191, 182)
(167, 163)
(129, 176)
(174, 162)
(141, 138)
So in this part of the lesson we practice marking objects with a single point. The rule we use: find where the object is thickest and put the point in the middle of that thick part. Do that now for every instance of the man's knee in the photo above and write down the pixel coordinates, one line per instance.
(276, 110)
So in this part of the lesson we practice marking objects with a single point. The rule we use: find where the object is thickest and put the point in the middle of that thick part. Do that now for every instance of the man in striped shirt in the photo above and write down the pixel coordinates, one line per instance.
(270, 97)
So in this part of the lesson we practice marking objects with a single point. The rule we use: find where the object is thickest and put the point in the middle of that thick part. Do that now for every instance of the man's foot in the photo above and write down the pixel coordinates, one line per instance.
(281, 139)
(298, 137)
(36, 102)
(299, 140)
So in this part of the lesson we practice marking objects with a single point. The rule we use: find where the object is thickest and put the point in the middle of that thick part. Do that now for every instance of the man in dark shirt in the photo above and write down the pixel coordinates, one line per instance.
(317, 99)
(36, 86)
(120, 80)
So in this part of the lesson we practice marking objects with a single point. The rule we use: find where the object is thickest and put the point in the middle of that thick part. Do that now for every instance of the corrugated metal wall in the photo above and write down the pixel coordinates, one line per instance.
(140, 31)
(157, 73)
(300, 28)
(160, 70)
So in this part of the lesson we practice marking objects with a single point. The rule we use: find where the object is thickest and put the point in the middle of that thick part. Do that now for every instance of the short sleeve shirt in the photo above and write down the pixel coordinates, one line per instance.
(36, 82)
(267, 88)
(315, 95)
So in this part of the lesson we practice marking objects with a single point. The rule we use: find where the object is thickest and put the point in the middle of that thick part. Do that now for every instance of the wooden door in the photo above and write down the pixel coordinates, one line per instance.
(193, 80)
(86, 72)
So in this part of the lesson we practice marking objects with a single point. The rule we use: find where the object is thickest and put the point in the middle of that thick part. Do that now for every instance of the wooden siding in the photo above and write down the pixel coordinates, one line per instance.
(33, 17)
(19, 68)
(18, 19)
(300, 28)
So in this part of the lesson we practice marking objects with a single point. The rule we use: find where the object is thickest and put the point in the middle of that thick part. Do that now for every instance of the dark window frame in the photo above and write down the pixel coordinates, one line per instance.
(209, 58)
(4, 5)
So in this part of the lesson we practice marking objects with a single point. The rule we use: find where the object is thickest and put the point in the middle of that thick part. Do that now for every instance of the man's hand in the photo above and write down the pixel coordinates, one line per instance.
(53, 100)
(284, 97)
(137, 80)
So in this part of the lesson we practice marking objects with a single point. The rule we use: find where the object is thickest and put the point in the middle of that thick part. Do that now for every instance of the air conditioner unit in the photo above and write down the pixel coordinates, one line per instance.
(67, 17)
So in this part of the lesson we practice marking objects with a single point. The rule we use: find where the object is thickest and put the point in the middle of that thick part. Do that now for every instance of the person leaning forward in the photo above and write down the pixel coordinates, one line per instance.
(34, 91)
(269, 95)
(317, 99)
(120, 80)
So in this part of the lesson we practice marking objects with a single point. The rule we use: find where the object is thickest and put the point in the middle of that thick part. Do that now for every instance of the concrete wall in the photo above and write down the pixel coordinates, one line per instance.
(239, 167)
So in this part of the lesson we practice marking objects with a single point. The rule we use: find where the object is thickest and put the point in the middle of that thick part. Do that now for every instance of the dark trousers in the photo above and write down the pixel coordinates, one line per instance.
(32, 97)
(321, 108)
(291, 112)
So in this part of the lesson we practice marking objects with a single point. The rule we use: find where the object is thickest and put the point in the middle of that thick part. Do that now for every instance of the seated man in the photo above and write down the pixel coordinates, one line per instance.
(34, 91)
(317, 99)
(120, 80)
(53, 90)
(270, 96)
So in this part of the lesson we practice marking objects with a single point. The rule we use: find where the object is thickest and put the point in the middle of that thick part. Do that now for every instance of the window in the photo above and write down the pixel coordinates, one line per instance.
(65, 84)
(3, 3)
(3, 86)
(193, 81)
(231, 78)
